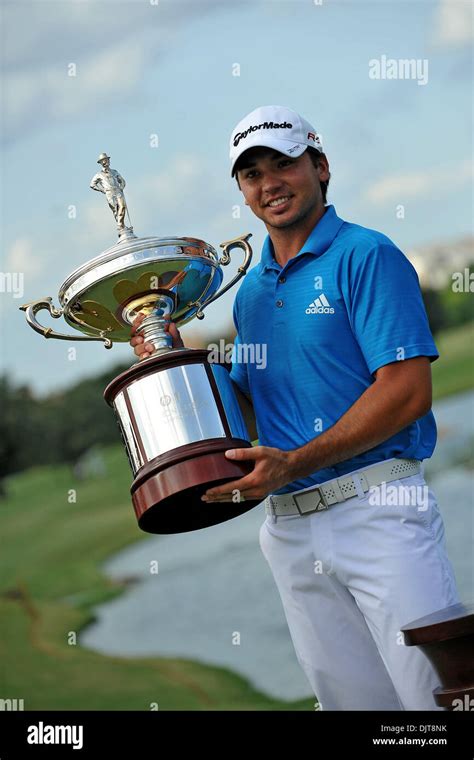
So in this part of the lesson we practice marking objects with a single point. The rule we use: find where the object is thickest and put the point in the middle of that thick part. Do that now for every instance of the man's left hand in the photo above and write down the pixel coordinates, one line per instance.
(272, 471)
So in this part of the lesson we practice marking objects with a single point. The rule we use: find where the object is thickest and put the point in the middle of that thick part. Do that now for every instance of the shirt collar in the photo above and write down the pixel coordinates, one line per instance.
(318, 241)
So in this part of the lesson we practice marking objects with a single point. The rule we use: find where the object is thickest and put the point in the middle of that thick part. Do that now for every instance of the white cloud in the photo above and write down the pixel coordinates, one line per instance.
(177, 184)
(21, 257)
(47, 31)
(96, 224)
(49, 93)
(111, 43)
(453, 23)
(419, 183)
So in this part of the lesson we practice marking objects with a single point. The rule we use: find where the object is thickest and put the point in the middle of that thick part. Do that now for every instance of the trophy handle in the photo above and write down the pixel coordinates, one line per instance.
(239, 242)
(31, 309)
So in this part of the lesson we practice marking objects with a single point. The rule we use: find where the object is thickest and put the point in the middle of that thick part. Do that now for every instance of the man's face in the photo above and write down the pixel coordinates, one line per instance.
(281, 191)
(105, 163)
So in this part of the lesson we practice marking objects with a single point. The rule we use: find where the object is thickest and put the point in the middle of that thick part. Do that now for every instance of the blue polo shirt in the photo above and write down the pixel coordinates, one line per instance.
(348, 303)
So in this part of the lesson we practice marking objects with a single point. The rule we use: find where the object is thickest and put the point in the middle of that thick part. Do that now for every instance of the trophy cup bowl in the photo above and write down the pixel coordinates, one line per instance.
(177, 410)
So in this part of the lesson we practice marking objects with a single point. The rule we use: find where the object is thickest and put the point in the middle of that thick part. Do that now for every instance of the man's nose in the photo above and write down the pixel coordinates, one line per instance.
(271, 182)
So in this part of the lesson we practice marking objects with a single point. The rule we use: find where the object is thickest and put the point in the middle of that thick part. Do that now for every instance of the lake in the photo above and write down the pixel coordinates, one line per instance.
(214, 584)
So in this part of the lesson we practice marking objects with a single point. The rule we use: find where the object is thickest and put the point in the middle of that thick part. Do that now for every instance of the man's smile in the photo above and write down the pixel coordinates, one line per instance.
(279, 202)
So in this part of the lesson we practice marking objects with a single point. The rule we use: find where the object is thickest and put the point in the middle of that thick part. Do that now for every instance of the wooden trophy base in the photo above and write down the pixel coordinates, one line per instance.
(446, 638)
(167, 494)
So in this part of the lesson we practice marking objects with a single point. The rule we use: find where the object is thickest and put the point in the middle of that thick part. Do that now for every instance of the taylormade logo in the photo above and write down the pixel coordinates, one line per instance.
(266, 125)
(41, 734)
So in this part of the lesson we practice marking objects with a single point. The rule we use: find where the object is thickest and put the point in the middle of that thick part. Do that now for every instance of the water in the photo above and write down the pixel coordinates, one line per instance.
(214, 588)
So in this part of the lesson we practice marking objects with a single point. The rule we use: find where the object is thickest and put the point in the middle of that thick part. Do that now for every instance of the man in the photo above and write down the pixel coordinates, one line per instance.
(353, 534)
(110, 182)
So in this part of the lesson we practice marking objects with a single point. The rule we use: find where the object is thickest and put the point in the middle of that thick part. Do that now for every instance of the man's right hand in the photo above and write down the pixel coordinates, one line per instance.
(144, 350)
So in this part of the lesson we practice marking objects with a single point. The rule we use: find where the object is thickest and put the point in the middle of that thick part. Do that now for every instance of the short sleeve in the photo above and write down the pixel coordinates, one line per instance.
(238, 372)
(386, 308)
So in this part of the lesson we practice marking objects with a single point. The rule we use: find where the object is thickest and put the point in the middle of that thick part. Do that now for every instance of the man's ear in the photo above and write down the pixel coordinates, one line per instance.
(323, 166)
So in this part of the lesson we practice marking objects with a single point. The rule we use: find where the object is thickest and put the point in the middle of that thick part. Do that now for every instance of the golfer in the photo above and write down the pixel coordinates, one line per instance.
(353, 534)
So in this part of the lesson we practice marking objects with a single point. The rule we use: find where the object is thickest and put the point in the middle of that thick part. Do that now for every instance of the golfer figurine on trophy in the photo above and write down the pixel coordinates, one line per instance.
(111, 183)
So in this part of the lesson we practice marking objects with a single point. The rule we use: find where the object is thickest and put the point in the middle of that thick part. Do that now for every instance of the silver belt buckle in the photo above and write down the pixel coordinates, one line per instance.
(320, 507)
(272, 509)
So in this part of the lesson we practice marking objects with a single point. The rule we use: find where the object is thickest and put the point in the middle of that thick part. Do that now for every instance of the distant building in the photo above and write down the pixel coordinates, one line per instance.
(437, 262)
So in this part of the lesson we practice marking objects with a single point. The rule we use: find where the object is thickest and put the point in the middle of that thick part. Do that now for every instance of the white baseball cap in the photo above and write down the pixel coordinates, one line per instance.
(274, 127)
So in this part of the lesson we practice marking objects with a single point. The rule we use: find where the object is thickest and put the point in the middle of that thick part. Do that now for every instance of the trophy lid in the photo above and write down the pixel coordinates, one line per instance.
(105, 295)
(159, 278)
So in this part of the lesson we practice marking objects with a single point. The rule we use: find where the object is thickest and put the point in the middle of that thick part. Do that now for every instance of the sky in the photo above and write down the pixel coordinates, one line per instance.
(81, 77)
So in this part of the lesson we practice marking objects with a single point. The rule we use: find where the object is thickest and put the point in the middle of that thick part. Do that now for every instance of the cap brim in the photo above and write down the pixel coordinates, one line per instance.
(287, 147)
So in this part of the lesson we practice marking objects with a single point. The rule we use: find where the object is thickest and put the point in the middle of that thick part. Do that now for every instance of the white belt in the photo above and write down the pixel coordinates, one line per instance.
(323, 496)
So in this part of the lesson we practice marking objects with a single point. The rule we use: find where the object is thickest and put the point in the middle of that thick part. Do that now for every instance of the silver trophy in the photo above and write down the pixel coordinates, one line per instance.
(176, 410)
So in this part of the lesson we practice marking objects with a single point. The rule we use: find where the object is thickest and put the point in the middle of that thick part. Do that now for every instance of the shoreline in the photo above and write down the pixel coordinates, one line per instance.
(52, 580)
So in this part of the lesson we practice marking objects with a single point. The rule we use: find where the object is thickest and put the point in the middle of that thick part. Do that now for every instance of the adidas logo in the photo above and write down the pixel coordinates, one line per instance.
(320, 305)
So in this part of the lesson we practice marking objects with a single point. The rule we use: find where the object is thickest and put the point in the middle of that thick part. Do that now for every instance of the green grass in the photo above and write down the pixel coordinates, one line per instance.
(50, 579)
(49, 569)
(453, 372)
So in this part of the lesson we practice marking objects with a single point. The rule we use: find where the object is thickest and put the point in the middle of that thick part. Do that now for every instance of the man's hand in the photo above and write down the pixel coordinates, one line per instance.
(144, 350)
(272, 470)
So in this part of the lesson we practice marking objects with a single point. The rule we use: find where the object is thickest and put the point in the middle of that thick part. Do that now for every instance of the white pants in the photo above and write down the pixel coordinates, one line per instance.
(349, 578)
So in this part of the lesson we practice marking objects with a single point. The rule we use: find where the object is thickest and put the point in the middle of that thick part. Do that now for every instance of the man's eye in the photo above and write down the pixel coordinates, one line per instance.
(250, 175)
(286, 162)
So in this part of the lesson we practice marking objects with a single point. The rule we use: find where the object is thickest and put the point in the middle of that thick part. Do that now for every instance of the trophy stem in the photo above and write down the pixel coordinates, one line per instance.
(153, 327)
